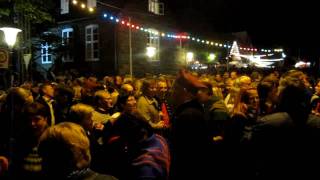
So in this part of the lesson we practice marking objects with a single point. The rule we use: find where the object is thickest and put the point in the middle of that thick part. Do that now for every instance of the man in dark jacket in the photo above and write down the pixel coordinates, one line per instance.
(190, 142)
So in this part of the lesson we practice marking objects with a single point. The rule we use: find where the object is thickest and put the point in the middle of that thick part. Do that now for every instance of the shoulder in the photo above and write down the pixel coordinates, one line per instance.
(104, 177)
(313, 121)
(275, 119)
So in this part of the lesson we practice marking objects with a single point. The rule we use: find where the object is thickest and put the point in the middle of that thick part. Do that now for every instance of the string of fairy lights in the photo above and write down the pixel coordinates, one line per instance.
(134, 26)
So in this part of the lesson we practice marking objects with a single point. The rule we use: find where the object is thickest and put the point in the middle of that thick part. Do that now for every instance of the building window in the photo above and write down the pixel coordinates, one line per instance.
(92, 3)
(156, 7)
(67, 41)
(92, 43)
(154, 44)
(64, 6)
(46, 56)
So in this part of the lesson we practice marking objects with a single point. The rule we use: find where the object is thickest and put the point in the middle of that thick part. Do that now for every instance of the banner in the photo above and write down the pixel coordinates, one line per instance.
(4, 58)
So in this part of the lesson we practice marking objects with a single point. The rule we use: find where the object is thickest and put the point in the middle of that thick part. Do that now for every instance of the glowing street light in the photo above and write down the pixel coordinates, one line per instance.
(189, 57)
(151, 52)
(10, 35)
(211, 57)
(91, 9)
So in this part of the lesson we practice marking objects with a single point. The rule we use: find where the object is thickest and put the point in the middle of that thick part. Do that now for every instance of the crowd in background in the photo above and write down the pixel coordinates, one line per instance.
(188, 126)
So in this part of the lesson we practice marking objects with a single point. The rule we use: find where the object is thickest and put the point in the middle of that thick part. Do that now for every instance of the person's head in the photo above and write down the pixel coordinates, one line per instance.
(255, 76)
(253, 98)
(185, 88)
(127, 103)
(18, 97)
(64, 148)
(37, 116)
(128, 88)
(234, 75)
(267, 90)
(317, 88)
(118, 81)
(226, 75)
(243, 82)
(228, 84)
(204, 94)
(132, 129)
(47, 90)
(298, 74)
(218, 78)
(162, 88)
(82, 115)
(294, 98)
(64, 95)
(149, 87)
(103, 99)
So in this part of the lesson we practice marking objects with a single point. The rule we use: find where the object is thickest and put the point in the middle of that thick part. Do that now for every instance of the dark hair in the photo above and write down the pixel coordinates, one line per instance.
(35, 109)
(208, 90)
(122, 99)
(132, 128)
(42, 87)
(65, 91)
(264, 88)
(146, 84)
(294, 99)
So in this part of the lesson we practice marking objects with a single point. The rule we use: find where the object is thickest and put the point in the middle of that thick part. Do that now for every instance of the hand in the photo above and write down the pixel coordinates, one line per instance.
(99, 126)
(159, 125)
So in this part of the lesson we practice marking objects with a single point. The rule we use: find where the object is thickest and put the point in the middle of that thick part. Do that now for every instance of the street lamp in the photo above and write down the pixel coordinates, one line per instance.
(189, 57)
(151, 52)
(10, 36)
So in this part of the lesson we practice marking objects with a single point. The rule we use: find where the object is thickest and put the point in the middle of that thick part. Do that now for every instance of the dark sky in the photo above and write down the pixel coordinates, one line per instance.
(292, 25)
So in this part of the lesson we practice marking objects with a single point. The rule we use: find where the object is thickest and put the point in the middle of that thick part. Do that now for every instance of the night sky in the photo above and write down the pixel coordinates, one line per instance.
(269, 23)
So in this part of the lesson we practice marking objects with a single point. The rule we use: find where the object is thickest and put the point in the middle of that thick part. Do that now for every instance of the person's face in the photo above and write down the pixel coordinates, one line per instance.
(87, 122)
(245, 84)
(226, 75)
(202, 96)
(106, 101)
(118, 80)
(162, 88)
(229, 85)
(218, 78)
(177, 94)
(38, 124)
(253, 99)
(233, 75)
(317, 89)
(29, 98)
(152, 90)
(131, 104)
(48, 91)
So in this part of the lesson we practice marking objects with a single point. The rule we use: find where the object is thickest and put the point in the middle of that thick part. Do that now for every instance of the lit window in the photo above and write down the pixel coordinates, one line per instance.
(156, 7)
(46, 56)
(92, 3)
(67, 40)
(92, 43)
(154, 43)
(64, 6)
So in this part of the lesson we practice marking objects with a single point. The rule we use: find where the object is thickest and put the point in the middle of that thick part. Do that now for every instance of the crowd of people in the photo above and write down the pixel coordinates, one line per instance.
(188, 126)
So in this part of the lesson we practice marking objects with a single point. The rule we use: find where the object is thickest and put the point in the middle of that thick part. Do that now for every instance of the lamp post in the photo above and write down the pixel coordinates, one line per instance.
(10, 35)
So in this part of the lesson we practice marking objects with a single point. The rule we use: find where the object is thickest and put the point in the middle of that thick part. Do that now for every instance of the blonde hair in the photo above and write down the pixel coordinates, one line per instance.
(79, 112)
(67, 138)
